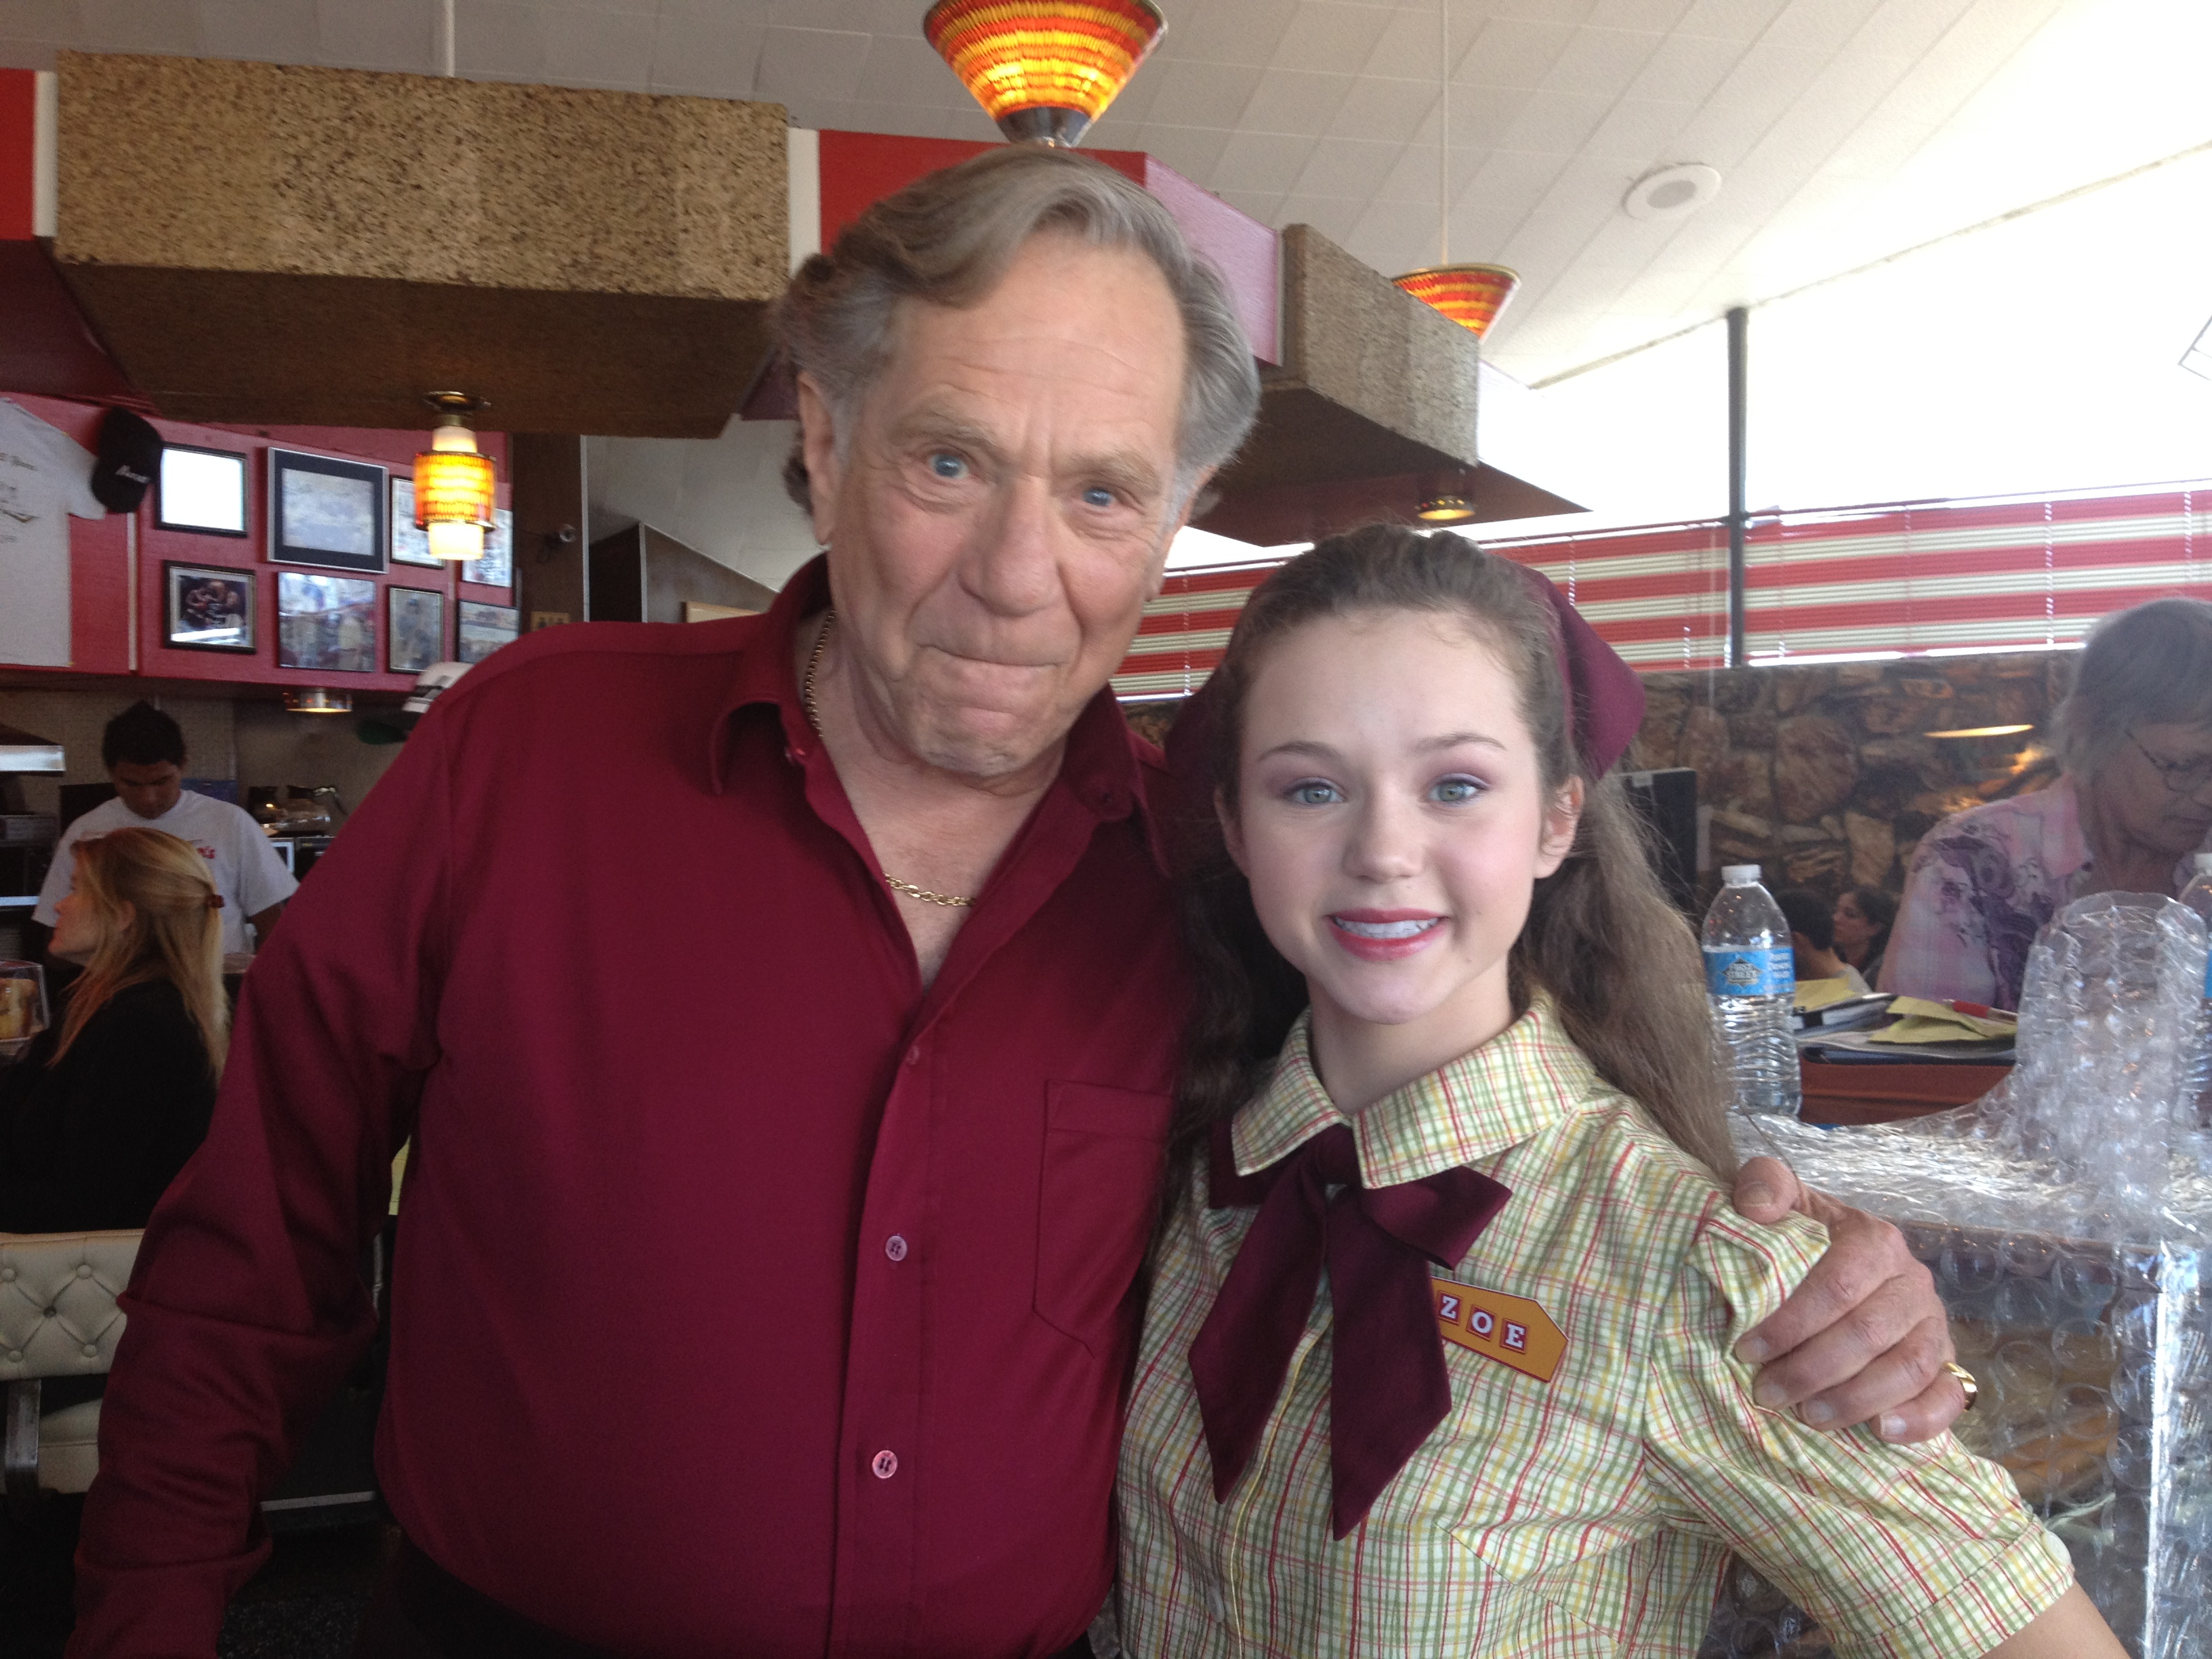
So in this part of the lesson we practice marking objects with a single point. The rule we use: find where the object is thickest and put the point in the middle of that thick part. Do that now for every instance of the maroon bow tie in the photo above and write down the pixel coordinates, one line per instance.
(1388, 1385)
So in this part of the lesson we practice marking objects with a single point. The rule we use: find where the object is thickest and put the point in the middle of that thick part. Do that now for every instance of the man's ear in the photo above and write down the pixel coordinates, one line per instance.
(1561, 820)
(1232, 837)
(818, 444)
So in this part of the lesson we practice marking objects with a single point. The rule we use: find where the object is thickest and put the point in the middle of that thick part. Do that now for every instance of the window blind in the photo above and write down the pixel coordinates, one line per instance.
(2004, 573)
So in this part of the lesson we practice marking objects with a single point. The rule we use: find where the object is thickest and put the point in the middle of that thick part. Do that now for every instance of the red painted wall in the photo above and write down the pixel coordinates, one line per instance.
(18, 138)
(101, 598)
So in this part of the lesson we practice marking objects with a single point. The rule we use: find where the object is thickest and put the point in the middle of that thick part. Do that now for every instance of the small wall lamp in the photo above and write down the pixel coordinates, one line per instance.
(454, 486)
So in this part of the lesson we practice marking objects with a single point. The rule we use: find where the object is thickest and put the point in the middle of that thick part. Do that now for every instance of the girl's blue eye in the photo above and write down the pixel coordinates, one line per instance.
(947, 466)
(1312, 793)
(1098, 495)
(1456, 791)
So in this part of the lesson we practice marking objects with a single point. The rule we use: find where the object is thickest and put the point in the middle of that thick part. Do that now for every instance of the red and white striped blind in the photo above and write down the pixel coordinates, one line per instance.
(2006, 573)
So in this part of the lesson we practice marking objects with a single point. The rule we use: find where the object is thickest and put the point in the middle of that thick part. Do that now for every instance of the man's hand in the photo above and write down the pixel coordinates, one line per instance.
(1865, 1337)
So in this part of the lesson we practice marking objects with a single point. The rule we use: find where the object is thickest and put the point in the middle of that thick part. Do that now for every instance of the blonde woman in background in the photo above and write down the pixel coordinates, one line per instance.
(108, 1104)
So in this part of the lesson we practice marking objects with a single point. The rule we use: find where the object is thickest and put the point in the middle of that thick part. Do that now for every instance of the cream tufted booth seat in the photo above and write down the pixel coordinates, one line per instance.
(58, 1318)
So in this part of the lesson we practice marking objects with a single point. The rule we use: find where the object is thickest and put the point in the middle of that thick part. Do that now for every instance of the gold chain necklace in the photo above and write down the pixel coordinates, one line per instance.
(949, 900)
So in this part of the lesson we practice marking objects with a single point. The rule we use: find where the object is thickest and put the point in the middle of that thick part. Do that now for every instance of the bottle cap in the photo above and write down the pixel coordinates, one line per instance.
(1739, 875)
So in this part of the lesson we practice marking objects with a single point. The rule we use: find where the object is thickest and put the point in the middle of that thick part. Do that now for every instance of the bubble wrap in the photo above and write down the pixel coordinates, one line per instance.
(2067, 1218)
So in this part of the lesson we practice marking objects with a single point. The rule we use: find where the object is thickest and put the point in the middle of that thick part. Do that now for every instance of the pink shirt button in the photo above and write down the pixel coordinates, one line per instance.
(885, 1465)
(894, 1247)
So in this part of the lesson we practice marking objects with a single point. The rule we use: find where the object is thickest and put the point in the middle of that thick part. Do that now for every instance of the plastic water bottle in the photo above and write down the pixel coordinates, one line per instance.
(1751, 975)
(2197, 896)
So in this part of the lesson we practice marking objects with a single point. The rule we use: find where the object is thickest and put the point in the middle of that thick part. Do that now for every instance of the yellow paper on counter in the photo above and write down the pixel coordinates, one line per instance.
(1813, 994)
(1922, 1021)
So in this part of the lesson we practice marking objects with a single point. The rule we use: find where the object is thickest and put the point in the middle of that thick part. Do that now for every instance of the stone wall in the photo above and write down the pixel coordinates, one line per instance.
(1827, 775)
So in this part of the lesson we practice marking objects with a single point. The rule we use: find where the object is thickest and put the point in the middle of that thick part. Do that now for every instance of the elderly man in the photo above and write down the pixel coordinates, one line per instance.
(788, 1106)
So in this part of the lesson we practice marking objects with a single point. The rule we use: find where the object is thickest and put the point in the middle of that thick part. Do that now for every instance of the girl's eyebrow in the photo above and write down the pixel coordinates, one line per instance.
(1309, 749)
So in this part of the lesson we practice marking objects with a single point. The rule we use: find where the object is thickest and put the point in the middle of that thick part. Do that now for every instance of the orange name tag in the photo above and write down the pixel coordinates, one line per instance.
(1510, 1329)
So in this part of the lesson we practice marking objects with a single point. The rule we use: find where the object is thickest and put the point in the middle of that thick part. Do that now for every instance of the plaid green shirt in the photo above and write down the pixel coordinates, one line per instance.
(1589, 1515)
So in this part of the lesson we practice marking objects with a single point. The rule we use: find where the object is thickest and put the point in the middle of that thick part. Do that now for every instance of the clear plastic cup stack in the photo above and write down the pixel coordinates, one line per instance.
(2066, 1219)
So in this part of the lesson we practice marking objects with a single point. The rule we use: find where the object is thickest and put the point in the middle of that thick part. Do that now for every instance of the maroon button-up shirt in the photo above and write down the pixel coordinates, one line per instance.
(749, 1299)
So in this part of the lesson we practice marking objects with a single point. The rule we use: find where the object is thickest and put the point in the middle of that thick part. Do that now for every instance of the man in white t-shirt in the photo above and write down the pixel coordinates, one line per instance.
(46, 478)
(144, 752)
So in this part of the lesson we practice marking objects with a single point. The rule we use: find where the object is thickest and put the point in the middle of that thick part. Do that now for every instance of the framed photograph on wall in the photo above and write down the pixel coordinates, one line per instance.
(409, 545)
(485, 628)
(415, 629)
(207, 608)
(327, 623)
(497, 568)
(326, 512)
(201, 490)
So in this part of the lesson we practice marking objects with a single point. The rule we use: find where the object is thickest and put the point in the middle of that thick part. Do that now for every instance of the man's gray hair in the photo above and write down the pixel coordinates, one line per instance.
(949, 238)
(2150, 665)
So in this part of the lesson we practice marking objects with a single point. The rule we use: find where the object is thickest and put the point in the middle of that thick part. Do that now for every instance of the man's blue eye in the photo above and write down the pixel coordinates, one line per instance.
(1455, 791)
(1098, 495)
(948, 466)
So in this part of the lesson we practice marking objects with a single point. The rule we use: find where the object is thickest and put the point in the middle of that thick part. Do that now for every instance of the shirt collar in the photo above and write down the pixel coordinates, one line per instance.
(1518, 1085)
(1106, 766)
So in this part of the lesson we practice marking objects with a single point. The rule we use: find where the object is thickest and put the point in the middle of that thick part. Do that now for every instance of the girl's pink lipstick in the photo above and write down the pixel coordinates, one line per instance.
(1384, 935)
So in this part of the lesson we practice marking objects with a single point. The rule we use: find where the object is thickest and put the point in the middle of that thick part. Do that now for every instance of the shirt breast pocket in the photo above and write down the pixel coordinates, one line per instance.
(1099, 1183)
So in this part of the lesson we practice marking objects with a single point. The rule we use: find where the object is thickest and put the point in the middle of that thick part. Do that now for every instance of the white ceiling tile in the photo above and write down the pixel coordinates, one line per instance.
(1602, 63)
(1133, 103)
(603, 47)
(1559, 123)
(1569, 12)
(902, 70)
(1411, 178)
(1688, 67)
(1200, 94)
(160, 26)
(1388, 112)
(1512, 52)
(848, 16)
(1267, 163)
(1260, 204)
(1346, 166)
(1323, 34)
(1409, 48)
(1333, 216)
(1294, 101)
(277, 31)
(1658, 15)
(802, 67)
(398, 35)
(1400, 236)
(1731, 19)
(1820, 25)
(1513, 181)
(706, 56)
(61, 21)
(1191, 151)
(967, 121)
(1640, 130)
(499, 41)
(1246, 32)
(1909, 26)
(1482, 116)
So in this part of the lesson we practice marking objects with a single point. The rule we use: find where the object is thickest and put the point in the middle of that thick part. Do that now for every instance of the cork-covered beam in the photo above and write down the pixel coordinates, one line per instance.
(1372, 383)
(261, 242)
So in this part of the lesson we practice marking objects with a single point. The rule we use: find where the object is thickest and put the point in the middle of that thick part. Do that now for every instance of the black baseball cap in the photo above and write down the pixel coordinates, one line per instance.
(130, 451)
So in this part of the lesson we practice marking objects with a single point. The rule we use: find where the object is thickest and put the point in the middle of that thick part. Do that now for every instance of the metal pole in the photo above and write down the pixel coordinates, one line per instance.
(1739, 519)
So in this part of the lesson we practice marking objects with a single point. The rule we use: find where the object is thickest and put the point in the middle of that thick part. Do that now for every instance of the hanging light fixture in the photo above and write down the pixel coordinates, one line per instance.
(1471, 295)
(317, 700)
(1443, 498)
(454, 486)
(1044, 69)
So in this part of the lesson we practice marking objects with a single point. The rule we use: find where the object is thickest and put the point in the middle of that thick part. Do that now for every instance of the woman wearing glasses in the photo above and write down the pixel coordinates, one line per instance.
(2132, 804)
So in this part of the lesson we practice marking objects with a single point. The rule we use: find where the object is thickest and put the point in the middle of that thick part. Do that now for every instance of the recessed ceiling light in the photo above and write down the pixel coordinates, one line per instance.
(1671, 192)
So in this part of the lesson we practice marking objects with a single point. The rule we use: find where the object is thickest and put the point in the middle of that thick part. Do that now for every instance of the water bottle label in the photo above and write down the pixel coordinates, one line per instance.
(1749, 973)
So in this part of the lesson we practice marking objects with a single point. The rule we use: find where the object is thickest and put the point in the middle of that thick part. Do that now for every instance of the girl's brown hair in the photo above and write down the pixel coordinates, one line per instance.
(1618, 962)
(174, 931)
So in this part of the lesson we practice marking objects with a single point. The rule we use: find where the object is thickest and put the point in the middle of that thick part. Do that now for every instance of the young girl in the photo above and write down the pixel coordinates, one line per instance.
(104, 1108)
(1437, 1358)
